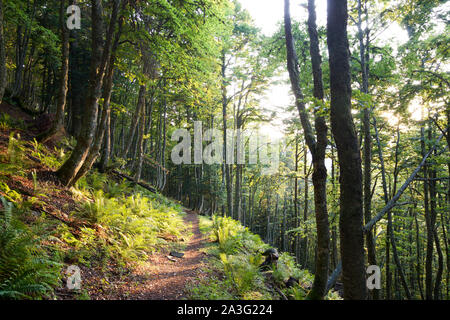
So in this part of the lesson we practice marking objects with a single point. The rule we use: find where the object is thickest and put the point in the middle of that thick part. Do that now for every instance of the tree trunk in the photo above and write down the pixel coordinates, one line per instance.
(434, 227)
(351, 211)
(363, 54)
(108, 141)
(319, 176)
(68, 173)
(399, 269)
(318, 148)
(419, 258)
(226, 166)
(140, 144)
(3, 71)
(296, 213)
(58, 124)
(430, 235)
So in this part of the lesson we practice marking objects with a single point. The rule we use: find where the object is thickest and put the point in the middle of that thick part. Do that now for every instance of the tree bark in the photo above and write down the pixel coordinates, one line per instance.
(399, 269)
(364, 54)
(351, 210)
(3, 70)
(429, 228)
(58, 124)
(317, 149)
(68, 173)
(226, 166)
(387, 207)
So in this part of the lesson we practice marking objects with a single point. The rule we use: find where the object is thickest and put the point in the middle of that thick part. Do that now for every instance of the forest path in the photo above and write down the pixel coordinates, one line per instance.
(160, 278)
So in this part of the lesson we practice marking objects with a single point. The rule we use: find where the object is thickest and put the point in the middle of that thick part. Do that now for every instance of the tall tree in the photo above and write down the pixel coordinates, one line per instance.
(343, 128)
(363, 37)
(58, 124)
(317, 148)
(101, 50)
(3, 75)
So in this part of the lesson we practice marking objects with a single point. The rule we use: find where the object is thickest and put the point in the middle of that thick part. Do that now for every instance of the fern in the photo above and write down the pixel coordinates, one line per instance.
(132, 222)
(26, 272)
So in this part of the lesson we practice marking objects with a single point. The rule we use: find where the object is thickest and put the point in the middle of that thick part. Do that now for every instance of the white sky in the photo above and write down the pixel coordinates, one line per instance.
(267, 15)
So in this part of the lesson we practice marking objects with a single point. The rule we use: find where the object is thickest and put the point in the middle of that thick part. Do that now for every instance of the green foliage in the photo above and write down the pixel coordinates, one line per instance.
(26, 271)
(114, 189)
(205, 225)
(52, 160)
(15, 149)
(88, 247)
(133, 220)
(286, 267)
(5, 121)
(243, 271)
(10, 195)
(14, 162)
(227, 232)
(238, 260)
(236, 273)
(211, 288)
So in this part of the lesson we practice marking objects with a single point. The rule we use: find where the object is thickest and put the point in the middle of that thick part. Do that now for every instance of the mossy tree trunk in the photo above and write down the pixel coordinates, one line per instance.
(343, 128)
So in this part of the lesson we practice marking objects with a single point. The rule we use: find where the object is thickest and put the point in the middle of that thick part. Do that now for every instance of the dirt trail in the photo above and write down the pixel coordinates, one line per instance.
(163, 279)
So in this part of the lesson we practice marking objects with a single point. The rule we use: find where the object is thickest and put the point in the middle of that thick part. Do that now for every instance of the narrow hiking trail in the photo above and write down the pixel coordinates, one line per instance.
(167, 279)
(162, 278)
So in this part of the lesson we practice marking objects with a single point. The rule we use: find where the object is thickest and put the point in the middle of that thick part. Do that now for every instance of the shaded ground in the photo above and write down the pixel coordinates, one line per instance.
(164, 279)
(159, 278)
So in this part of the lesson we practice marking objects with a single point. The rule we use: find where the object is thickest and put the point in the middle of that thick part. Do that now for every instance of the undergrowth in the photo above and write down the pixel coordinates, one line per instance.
(234, 271)
(132, 219)
(26, 269)
(119, 224)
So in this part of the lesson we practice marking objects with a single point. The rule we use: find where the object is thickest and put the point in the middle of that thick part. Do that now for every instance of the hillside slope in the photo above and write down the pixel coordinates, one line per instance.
(123, 241)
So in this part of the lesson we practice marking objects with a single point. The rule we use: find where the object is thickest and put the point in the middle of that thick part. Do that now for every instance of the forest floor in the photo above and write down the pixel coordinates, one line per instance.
(167, 279)
(164, 277)
(161, 277)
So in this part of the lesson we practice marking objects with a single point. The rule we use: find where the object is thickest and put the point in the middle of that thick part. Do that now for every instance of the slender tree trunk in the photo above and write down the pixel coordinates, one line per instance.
(399, 269)
(134, 122)
(226, 166)
(296, 213)
(3, 70)
(333, 228)
(434, 227)
(430, 235)
(317, 148)
(351, 210)
(140, 141)
(419, 258)
(305, 241)
(58, 124)
(21, 50)
(363, 53)
(107, 143)
(444, 234)
(320, 172)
